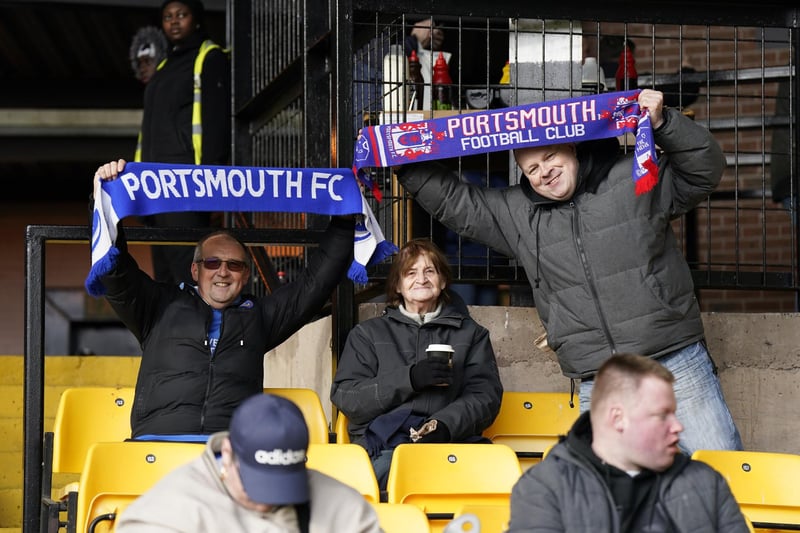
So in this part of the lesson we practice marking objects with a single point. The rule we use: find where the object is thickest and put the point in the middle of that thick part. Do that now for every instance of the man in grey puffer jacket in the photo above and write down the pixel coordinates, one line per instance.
(619, 468)
(606, 270)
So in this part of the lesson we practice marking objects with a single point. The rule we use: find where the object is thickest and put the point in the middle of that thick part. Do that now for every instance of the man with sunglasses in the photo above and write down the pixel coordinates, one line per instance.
(203, 345)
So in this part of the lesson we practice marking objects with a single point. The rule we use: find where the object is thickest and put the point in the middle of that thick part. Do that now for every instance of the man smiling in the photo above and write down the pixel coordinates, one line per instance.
(607, 272)
(203, 345)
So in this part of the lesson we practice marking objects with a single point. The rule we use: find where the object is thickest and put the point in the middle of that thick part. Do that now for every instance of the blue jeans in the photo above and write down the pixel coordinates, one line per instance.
(707, 422)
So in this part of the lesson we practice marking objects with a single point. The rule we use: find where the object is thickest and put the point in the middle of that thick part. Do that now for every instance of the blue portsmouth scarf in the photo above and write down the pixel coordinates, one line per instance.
(150, 188)
(560, 121)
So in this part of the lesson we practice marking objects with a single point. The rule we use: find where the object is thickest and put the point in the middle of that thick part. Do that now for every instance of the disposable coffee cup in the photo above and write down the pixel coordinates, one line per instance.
(444, 351)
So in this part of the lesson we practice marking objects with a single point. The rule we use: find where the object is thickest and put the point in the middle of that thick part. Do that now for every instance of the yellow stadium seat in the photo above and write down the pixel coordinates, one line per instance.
(130, 467)
(529, 422)
(349, 463)
(464, 523)
(764, 484)
(401, 518)
(441, 478)
(87, 415)
(104, 510)
(547, 449)
(342, 436)
(309, 403)
(492, 518)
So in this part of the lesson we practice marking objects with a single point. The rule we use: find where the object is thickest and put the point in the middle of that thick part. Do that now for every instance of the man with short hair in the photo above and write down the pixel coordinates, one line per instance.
(619, 468)
(252, 478)
(607, 272)
(203, 343)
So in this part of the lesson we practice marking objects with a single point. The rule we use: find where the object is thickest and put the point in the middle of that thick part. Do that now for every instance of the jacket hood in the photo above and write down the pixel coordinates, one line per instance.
(595, 159)
(453, 312)
(579, 441)
(455, 304)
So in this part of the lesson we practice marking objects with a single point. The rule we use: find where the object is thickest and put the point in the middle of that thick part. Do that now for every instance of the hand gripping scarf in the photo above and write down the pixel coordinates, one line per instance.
(570, 120)
(149, 188)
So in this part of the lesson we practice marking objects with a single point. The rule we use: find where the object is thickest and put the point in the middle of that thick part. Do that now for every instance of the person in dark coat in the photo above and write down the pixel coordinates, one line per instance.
(390, 389)
(203, 344)
(620, 470)
(148, 49)
(173, 131)
(607, 273)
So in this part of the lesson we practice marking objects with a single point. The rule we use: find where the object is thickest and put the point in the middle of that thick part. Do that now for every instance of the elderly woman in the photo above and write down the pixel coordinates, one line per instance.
(386, 384)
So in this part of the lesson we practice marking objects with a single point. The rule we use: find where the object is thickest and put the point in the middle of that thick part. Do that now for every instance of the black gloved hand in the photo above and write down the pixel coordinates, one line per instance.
(431, 372)
(440, 434)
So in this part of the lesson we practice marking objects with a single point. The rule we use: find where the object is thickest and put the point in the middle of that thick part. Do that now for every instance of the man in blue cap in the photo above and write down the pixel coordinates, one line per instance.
(252, 478)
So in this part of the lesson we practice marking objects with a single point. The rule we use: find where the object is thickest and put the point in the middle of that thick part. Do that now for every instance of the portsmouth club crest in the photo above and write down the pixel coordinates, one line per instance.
(622, 118)
(411, 140)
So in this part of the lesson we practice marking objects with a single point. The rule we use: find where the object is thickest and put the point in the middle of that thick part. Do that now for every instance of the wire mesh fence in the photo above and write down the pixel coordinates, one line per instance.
(734, 74)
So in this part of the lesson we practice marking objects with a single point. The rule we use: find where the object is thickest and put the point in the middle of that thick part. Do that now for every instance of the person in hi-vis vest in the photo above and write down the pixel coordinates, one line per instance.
(186, 119)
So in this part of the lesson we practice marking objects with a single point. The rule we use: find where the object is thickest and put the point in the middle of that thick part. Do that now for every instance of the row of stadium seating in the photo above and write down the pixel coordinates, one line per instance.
(431, 487)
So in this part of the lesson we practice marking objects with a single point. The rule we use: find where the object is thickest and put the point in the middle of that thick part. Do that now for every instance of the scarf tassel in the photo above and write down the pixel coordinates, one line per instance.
(649, 179)
(94, 285)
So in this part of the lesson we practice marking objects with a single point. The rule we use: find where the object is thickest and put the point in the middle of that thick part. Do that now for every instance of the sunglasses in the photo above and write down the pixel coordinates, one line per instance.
(213, 263)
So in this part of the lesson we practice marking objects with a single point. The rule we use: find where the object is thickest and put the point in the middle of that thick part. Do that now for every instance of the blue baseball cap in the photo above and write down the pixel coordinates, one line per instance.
(269, 436)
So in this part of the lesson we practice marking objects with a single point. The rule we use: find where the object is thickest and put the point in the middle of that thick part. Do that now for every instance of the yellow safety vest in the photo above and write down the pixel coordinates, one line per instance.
(197, 122)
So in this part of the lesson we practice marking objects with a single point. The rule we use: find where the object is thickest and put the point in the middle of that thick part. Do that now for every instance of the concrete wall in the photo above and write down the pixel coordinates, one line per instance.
(757, 355)
(303, 360)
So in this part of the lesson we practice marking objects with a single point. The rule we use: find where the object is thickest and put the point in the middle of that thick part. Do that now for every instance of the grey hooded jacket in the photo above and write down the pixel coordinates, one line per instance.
(607, 272)
(567, 492)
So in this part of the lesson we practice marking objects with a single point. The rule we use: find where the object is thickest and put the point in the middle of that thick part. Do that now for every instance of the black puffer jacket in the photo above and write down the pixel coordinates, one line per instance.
(569, 492)
(181, 387)
(373, 375)
(607, 273)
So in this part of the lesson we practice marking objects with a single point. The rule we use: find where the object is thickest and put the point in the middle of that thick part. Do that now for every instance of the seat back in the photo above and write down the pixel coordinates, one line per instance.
(349, 463)
(492, 518)
(342, 436)
(130, 467)
(87, 415)
(401, 518)
(764, 484)
(309, 403)
(529, 422)
(104, 510)
(441, 478)
(464, 523)
(547, 450)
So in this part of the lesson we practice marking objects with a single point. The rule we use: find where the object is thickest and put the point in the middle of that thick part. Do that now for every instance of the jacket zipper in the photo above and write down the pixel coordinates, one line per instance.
(590, 277)
(210, 373)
